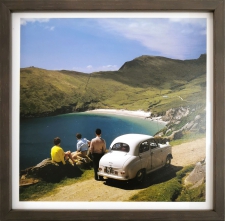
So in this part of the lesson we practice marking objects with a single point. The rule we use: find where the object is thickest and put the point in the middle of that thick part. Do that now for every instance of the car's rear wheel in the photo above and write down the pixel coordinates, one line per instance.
(140, 176)
(168, 161)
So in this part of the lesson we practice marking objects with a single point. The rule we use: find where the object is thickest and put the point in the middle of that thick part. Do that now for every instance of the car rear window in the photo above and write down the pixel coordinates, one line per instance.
(121, 147)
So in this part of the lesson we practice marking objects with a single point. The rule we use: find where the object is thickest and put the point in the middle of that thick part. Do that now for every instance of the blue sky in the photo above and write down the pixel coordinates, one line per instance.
(102, 44)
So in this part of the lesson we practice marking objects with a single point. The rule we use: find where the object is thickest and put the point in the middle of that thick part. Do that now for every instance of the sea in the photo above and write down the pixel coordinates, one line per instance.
(37, 134)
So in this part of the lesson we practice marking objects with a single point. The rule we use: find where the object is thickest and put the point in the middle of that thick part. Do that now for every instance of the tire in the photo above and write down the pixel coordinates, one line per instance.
(100, 177)
(140, 176)
(168, 161)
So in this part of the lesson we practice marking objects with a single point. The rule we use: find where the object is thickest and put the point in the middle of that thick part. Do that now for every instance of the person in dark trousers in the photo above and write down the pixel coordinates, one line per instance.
(97, 149)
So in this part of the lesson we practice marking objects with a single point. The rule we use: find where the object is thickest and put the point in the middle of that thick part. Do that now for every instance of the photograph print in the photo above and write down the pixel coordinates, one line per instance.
(115, 105)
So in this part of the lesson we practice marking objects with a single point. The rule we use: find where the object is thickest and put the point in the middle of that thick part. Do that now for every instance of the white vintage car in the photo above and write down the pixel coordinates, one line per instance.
(133, 156)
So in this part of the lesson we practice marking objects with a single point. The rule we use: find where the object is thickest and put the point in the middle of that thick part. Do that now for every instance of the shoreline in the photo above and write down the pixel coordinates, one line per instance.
(128, 113)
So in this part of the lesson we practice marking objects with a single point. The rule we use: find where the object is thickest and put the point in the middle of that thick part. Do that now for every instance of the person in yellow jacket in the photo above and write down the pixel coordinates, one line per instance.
(57, 153)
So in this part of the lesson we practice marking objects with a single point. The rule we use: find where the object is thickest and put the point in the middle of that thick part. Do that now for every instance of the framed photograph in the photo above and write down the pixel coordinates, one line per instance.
(120, 66)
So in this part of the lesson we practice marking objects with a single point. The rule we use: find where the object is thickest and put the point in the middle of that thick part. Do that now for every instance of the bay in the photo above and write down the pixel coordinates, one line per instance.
(37, 134)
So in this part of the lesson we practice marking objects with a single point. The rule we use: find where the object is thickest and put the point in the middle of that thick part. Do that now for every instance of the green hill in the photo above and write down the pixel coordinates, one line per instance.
(148, 83)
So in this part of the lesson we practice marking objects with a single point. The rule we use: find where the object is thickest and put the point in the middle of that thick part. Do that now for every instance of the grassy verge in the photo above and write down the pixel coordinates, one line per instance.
(188, 137)
(171, 190)
(168, 191)
(192, 195)
(42, 188)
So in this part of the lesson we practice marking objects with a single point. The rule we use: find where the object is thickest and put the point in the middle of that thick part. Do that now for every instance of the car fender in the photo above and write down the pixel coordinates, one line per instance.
(133, 167)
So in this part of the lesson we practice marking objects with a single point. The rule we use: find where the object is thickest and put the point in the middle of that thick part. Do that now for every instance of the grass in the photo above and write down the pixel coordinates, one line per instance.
(192, 195)
(164, 192)
(42, 188)
(190, 136)
(147, 83)
(170, 191)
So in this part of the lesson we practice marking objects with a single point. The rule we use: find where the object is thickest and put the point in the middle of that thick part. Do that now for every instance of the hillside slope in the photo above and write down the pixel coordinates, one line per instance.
(148, 83)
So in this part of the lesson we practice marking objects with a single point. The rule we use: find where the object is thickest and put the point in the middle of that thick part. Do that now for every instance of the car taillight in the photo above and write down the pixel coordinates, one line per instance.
(123, 172)
(99, 169)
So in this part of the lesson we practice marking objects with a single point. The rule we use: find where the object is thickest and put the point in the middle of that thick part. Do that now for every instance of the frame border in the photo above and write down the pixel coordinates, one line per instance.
(9, 6)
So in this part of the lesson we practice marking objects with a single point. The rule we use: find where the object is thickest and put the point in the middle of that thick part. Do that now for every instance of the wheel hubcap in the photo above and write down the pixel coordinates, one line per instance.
(139, 175)
(168, 160)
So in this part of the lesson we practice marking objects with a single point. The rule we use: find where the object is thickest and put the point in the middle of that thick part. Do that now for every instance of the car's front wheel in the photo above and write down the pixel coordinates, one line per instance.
(140, 176)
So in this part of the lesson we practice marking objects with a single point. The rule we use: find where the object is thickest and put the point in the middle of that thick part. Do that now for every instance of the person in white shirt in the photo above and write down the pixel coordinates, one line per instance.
(82, 147)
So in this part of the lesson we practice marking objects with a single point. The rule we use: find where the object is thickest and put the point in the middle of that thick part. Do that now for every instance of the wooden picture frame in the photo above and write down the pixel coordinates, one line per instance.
(217, 7)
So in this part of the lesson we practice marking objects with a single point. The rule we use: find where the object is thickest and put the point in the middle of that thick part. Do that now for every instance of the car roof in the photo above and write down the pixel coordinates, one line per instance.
(131, 139)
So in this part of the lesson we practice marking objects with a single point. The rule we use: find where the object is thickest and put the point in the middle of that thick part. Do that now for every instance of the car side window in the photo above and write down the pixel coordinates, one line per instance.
(144, 146)
(153, 144)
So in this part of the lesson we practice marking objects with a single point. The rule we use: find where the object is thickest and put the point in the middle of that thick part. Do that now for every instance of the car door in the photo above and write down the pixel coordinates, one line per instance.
(144, 154)
(156, 154)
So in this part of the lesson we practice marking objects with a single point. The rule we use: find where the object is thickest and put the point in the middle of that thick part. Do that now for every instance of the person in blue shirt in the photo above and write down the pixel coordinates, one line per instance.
(82, 146)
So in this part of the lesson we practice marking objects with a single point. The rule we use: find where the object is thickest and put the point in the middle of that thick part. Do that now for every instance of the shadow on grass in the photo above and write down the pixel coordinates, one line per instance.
(156, 177)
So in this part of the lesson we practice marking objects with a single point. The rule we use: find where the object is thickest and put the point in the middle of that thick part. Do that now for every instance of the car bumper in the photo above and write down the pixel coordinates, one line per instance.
(112, 176)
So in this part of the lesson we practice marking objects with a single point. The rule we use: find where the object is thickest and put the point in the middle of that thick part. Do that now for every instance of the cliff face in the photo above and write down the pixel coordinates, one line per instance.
(183, 120)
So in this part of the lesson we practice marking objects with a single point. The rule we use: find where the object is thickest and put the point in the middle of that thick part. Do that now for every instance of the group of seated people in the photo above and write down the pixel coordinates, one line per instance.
(96, 147)
(59, 156)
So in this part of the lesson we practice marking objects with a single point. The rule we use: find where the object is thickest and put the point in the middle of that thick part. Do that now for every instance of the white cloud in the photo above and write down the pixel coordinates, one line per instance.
(187, 31)
(109, 66)
(50, 28)
(191, 21)
(24, 21)
(167, 37)
(91, 68)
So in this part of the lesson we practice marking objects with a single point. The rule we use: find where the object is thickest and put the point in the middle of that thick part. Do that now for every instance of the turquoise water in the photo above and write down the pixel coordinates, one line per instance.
(36, 135)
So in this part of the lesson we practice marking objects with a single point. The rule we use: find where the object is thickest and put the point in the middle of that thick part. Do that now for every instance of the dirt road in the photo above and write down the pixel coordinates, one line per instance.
(91, 190)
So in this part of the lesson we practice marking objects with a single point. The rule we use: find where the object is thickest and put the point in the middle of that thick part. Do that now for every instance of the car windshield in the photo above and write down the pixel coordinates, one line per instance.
(121, 147)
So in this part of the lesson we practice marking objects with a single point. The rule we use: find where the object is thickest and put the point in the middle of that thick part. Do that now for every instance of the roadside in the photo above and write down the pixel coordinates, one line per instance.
(91, 190)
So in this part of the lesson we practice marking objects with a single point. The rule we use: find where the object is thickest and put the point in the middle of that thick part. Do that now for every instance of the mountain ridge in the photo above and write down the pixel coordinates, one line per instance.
(136, 85)
(146, 58)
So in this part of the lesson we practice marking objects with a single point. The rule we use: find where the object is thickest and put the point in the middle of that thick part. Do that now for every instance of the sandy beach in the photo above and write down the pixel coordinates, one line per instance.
(139, 113)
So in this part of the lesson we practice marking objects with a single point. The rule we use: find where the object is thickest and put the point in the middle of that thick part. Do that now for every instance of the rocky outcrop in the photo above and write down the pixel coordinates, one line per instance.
(180, 121)
(175, 114)
(197, 176)
(50, 171)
